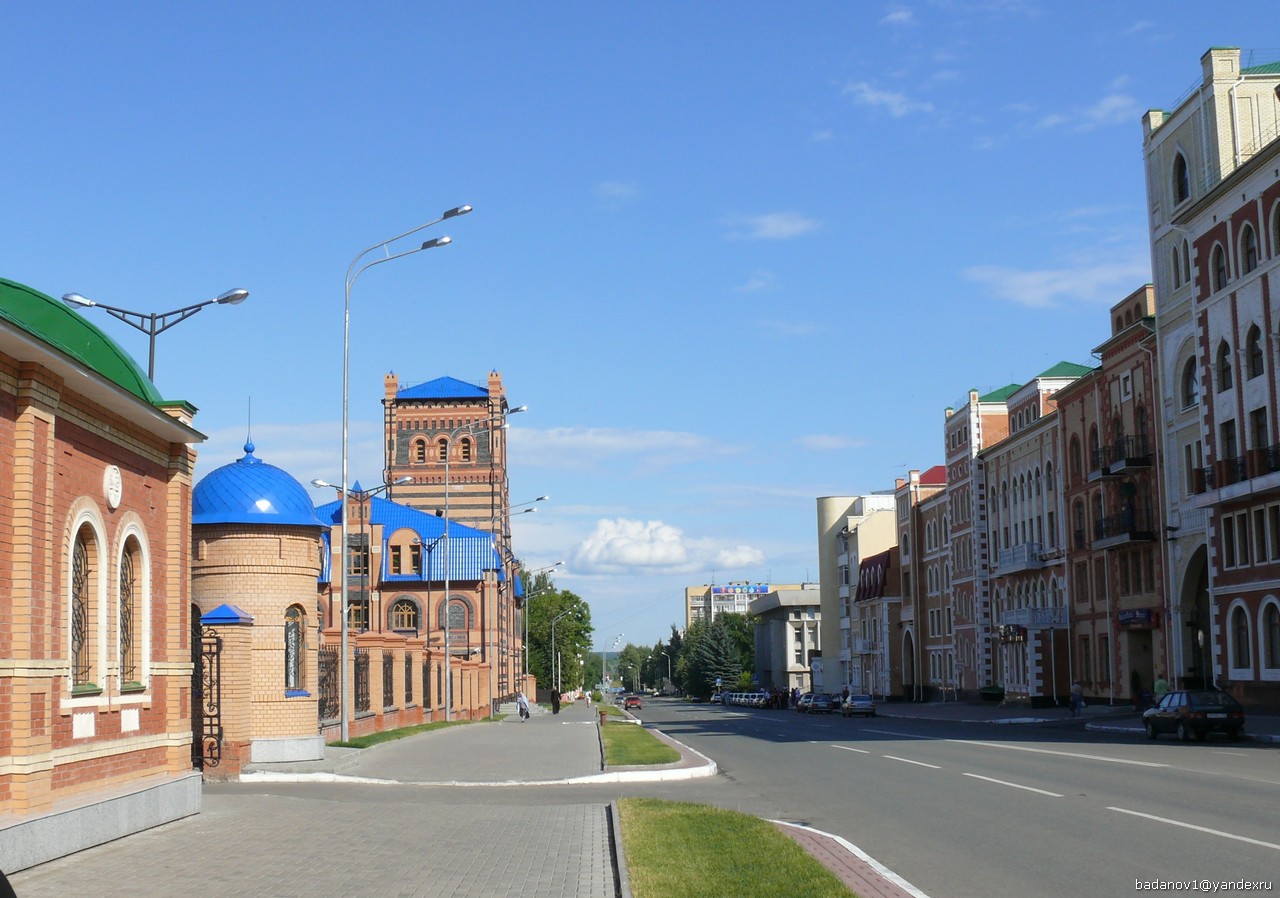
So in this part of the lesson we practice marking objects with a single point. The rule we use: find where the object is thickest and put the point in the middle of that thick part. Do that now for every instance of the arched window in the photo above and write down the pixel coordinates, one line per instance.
(1140, 426)
(420, 452)
(459, 614)
(442, 449)
(1240, 656)
(84, 556)
(1190, 384)
(465, 449)
(404, 614)
(1275, 230)
(1075, 457)
(1176, 259)
(1225, 381)
(1095, 454)
(129, 624)
(1181, 179)
(295, 647)
(1271, 635)
(1218, 265)
(1048, 477)
(1253, 353)
(1248, 249)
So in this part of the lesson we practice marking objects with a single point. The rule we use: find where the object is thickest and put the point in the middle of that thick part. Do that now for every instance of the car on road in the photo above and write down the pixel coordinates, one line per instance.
(858, 704)
(717, 698)
(1195, 713)
(804, 702)
(817, 703)
(631, 701)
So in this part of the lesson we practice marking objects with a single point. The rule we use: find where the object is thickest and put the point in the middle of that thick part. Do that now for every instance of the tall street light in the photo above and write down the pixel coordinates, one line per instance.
(152, 323)
(527, 599)
(354, 270)
(604, 670)
(448, 451)
(555, 667)
(670, 682)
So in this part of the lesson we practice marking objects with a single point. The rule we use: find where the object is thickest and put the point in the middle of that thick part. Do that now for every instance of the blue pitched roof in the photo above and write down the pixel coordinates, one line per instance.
(444, 388)
(249, 491)
(471, 551)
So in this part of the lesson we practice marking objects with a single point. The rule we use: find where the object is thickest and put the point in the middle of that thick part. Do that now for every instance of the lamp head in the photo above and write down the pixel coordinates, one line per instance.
(456, 211)
(232, 297)
(437, 241)
(75, 299)
(325, 485)
(517, 409)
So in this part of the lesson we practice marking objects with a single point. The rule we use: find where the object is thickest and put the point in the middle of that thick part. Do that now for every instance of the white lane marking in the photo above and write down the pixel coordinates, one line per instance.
(1014, 785)
(909, 761)
(861, 751)
(1200, 829)
(1063, 754)
(864, 857)
(1223, 751)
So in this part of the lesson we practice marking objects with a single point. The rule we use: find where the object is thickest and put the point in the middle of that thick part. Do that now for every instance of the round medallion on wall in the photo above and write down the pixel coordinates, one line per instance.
(112, 486)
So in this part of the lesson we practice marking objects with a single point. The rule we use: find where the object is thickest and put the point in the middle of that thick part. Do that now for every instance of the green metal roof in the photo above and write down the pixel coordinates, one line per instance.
(54, 324)
(1066, 369)
(1002, 394)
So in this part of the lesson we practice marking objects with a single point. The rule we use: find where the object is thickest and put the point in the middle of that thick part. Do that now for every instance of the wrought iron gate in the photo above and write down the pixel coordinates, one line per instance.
(206, 696)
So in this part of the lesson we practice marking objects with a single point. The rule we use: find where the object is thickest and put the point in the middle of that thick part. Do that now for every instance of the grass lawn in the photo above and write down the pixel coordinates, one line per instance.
(392, 735)
(678, 850)
(626, 744)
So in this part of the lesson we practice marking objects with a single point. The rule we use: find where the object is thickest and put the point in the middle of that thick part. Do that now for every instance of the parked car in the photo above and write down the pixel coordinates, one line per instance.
(631, 701)
(1194, 712)
(716, 698)
(823, 703)
(858, 704)
(804, 703)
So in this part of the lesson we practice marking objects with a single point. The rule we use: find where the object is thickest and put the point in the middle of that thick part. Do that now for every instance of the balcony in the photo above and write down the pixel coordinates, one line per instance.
(1128, 454)
(1026, 557)
(1129, 526)
(1257, 471)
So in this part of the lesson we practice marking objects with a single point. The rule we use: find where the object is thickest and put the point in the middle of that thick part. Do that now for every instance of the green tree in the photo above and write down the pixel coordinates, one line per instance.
(742, 632)
(572, 616)
(709, 654)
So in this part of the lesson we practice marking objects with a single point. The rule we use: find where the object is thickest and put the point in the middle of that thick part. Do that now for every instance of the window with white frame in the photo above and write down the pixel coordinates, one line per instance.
(1238, 641)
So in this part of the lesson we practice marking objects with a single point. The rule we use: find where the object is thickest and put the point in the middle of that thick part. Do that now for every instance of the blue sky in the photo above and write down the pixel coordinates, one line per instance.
(732, 256)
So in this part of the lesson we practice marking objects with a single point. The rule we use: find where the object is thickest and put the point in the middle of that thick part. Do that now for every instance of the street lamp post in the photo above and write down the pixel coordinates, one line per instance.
(354, 270)
(670, 681)
(448, 451)
(604, 670)
(153, 323)
(554, 653)
(527, 599)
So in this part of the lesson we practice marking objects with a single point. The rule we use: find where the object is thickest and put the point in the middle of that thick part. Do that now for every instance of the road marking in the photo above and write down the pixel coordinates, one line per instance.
(1014, 785)
(861, 751)
(1201, 829)
(1223, 751)
(1063, 754)
(909, 761)
(861, 855)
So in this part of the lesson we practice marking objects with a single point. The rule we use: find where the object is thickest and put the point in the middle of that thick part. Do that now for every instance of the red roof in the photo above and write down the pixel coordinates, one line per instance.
(937, 476)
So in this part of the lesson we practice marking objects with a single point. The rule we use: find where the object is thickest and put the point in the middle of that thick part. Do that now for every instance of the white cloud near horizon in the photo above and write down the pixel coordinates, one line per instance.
(1095, 280)
(898, 16)
(738, 557)
(897, 104)
(616, 190)
(770, 226)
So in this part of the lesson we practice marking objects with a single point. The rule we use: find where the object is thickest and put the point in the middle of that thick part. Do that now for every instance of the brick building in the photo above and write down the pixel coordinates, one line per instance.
(920, 504)
(95, 663)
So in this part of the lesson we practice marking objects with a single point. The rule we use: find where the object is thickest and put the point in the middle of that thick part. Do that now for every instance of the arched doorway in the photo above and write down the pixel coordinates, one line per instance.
(1192, 643)
(910, 686)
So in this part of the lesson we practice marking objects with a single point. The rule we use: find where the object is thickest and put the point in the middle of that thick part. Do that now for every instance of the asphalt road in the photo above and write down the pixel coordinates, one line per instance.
(980, 810)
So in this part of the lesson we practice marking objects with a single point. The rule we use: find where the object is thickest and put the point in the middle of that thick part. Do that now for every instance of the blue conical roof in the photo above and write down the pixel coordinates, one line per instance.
(250, 491)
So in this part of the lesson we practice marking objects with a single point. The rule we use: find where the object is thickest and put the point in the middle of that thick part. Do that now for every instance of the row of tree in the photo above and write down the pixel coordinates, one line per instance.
(709, 656)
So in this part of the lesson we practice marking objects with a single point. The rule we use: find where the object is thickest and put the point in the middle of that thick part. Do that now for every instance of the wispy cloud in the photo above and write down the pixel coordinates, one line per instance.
(616, 190)
(897, 104)
(1090, 281)
(619, 543)
(820, 442)
(898, 16)
(821, 135)
(1112, 109)
(770, 226)
(569, 447)
(759, 280)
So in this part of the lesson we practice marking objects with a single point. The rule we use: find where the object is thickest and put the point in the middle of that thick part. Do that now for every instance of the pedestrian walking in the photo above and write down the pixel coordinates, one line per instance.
(1077, 699)
(522, 703)
(555, 701)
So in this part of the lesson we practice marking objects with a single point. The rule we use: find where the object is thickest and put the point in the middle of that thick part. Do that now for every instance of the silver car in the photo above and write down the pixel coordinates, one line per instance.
(858, 704)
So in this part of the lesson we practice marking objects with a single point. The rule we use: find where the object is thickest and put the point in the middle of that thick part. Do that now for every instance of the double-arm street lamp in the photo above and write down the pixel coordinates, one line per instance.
(554, 653)
(527, 599)
(354, 270)
(152, 323)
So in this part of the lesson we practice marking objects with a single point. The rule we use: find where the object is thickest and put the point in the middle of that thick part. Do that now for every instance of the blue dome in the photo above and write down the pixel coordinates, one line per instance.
(249, 491)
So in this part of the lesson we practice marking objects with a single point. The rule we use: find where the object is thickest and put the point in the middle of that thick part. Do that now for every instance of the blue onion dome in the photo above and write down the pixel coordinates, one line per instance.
(250, 491)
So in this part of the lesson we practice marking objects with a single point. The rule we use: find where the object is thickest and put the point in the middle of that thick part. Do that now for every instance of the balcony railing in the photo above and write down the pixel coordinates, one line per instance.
(1255, 463)
(1129, 452)
(1026, 557)
(1130, 525)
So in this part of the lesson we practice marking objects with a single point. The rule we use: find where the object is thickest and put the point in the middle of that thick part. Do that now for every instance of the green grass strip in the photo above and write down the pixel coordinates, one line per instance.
(392, 735)
(628, 744)
(678, 850)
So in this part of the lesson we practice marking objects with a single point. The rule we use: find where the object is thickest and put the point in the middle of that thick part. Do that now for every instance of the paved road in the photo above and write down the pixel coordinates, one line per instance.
(975, 809)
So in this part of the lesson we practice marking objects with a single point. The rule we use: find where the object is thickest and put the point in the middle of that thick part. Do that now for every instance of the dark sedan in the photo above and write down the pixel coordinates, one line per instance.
(823, 703)
(1194, 712)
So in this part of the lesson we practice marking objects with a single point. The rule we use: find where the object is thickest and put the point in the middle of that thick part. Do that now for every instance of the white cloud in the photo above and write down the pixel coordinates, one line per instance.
(821, 442)
(616, 190)
(822, 135)
(1094, 281)
(759, 280)
(738, 557)
(560, 447)
(899, 16)
(1112, 109)
(897, 104)
(788, 328)
(771, 226)
(621, 543)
